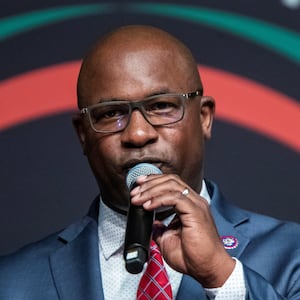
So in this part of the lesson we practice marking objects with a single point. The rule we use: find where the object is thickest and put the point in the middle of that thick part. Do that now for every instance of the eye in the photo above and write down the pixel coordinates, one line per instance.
(112, 113)
(108, 113)
(163, 105)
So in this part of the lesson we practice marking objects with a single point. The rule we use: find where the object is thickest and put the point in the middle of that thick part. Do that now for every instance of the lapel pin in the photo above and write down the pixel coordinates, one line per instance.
(229, 241)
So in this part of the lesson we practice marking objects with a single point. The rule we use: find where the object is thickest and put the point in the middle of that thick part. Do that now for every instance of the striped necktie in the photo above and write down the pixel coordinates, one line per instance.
(155, 282)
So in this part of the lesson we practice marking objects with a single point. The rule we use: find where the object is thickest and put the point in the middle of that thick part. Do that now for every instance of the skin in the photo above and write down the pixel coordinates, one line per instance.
(132, 63)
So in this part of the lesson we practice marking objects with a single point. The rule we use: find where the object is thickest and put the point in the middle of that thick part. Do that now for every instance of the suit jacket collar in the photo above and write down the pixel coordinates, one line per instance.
(230, 221)
(76, 267)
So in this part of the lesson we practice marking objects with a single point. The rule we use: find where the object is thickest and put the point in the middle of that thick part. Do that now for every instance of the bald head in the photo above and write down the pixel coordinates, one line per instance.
(138, 46)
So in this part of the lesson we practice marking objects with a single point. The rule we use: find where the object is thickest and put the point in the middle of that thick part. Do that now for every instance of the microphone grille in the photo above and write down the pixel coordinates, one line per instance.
(139, 170)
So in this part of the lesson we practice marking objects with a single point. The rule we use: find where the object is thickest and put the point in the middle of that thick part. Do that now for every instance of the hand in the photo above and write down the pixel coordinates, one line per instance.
(190, 244)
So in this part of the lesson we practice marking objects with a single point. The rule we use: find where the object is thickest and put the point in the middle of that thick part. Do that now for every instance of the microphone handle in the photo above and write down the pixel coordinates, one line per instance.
(138, 237)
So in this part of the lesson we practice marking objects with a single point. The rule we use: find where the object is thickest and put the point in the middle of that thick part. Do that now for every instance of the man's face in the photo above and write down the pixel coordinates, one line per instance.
(177, 148)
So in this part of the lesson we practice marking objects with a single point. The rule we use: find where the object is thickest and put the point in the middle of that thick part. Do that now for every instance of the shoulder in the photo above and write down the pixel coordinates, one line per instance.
(262, 229)
(33, 259)
(28, 268)
(29, 272)
(31, 252)
(251, 224)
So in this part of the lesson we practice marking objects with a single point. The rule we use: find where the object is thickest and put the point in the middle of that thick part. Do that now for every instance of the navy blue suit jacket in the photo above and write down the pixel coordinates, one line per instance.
(66, 265)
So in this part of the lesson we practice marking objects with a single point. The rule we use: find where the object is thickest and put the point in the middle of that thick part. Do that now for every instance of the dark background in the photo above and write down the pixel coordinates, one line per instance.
(45, 181)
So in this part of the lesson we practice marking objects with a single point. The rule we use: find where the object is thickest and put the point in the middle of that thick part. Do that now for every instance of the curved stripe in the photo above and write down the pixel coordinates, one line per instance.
(251, 105)
(21, 23)
(254, 106)
(38, 93)
(273, 37)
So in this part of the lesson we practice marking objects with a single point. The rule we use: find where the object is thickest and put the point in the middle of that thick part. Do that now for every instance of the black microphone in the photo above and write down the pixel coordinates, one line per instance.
(139, 224)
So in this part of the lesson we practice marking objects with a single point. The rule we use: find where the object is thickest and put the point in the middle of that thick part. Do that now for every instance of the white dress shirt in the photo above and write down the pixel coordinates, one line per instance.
(118, 284)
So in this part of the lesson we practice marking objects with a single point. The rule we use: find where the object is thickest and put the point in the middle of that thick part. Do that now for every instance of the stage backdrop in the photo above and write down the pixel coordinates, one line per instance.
(248, 53)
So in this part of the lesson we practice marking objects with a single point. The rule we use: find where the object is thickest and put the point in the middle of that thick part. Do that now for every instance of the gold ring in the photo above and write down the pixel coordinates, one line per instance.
(185, 192)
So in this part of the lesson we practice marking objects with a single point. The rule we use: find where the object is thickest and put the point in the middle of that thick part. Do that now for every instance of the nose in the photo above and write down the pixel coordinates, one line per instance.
(138, 132)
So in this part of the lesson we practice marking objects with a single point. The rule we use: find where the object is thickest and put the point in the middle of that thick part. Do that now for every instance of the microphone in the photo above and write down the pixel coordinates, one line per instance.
(139, 224)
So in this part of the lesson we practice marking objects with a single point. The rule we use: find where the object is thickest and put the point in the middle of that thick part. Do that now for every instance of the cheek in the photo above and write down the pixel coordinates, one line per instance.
(191, 144)
(187, 144)
(101, 152)
(192, 135)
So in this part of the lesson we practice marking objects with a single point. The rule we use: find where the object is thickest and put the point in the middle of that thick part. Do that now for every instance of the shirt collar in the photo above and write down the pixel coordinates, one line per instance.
(112, 226)
(111, 230)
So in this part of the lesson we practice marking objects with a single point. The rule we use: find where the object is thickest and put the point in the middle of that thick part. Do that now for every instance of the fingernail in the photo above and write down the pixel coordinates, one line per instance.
(141, 178)
(135, 191)
(147, 204)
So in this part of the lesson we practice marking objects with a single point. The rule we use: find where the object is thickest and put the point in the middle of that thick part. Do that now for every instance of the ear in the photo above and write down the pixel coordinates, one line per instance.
(79, 128)
(207, 115)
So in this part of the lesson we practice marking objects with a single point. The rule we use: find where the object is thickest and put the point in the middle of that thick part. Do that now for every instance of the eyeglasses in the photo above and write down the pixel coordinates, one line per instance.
(114, 116)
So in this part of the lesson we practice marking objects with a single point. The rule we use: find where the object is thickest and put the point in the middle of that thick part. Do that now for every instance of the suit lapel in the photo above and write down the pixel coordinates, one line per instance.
(230, 221)
(234, 240)
(75, 277)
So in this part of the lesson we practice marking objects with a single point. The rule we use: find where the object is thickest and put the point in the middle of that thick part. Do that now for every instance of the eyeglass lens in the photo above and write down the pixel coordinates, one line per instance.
(157, 110)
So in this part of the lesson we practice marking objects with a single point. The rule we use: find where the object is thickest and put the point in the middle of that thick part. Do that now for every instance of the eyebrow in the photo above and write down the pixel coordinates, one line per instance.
(160, 92)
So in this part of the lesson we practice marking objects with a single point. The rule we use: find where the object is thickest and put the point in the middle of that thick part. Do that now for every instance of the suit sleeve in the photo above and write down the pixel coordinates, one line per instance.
(258, 288)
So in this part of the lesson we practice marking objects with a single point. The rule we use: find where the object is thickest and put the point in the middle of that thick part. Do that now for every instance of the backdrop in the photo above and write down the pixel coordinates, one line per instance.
(248, 53)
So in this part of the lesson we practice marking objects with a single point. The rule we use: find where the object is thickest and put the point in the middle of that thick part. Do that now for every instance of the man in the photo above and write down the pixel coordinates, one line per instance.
(164, 122)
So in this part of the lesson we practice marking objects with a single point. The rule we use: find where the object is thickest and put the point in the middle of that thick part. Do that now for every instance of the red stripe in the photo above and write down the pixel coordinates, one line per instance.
(254, 106)
(240, 101)
(38, 93)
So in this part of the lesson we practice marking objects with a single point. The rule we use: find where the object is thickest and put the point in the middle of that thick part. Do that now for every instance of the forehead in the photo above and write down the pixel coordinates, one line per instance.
(132, 71)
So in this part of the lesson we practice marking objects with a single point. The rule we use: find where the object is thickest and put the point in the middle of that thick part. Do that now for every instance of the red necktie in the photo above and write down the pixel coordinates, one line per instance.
(155, 282)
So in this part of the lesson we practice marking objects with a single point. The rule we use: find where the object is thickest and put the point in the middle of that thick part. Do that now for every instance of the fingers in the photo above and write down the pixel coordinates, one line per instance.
(190, 243)
(159, 190)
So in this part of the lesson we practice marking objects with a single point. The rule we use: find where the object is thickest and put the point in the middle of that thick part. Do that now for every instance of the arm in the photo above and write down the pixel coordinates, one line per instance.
(191, 244)
(258, 288)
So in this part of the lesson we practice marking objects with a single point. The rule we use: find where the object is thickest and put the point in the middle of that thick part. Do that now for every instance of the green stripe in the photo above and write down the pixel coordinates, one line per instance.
(20, 23)
(276, 38)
